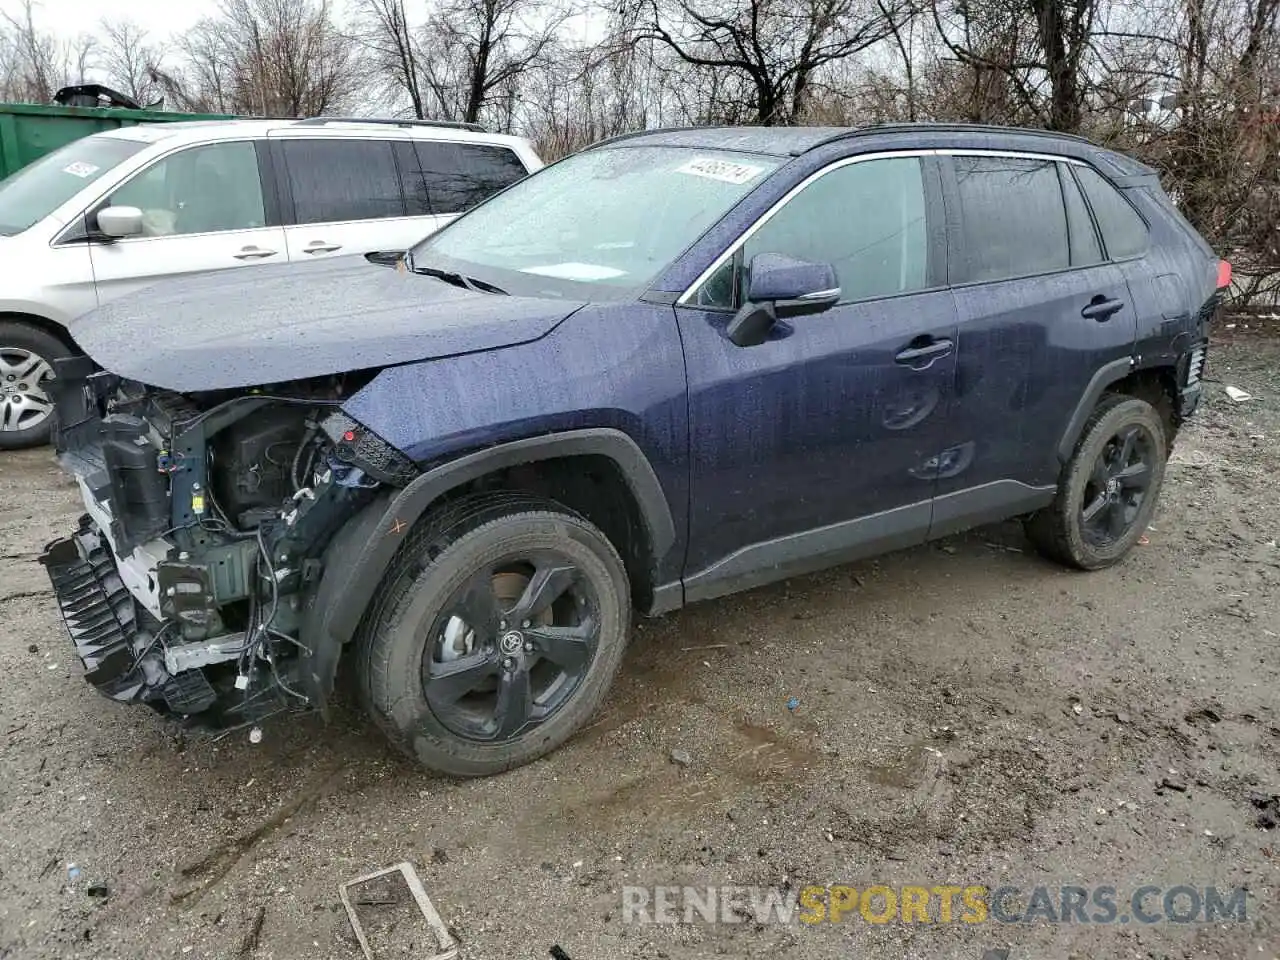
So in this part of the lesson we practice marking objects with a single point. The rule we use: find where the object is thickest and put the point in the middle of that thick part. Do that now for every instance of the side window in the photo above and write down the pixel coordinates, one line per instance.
(866, 219)
(1123, 231)
(717, 289)
(417, 203)
(337, 180)
(457, 176)
(1085, 249)
(200, 190)
(1014, 220)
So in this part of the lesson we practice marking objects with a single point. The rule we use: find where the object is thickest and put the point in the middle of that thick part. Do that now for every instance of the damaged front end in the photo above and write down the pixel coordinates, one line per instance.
(188, 581)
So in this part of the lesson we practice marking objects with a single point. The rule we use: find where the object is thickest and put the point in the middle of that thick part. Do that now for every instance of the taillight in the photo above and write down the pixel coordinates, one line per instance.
(1224, 274)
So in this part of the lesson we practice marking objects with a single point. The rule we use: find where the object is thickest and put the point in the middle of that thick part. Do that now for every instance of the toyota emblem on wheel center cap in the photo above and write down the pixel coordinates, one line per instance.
(512, 642)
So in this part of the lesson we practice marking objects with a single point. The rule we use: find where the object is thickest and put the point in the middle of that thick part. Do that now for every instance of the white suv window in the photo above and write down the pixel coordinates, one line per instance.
(334, 181)
(454, 177)
(200, 190)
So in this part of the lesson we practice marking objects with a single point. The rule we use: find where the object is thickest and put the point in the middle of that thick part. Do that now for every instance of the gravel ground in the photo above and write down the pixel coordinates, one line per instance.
(967, 714)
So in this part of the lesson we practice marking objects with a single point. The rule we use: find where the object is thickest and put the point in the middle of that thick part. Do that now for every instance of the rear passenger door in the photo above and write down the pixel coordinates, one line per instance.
(343, 195)
(1040, 313)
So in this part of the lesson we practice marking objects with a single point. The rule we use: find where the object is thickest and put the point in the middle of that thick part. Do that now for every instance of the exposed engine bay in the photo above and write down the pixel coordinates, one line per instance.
(208, 515)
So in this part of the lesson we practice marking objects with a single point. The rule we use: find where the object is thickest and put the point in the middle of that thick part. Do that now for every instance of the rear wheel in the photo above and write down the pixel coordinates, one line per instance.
(1108, 490)
(497, 633)
(26, 365)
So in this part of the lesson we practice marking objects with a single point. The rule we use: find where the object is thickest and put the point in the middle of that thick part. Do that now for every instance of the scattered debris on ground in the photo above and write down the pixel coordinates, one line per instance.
(446, 947)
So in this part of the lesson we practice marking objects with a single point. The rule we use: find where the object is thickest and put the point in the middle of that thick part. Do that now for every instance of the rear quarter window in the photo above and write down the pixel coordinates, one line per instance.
(1085, 248)
(1124, 232)
(454, 177)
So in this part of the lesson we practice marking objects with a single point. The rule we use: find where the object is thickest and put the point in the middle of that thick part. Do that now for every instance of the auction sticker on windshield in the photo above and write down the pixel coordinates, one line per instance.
(80, 169)
(724, 170)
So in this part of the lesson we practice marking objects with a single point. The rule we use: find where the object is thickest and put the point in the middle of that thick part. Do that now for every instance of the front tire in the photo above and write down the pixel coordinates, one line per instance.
(496, 634)
(1108, 490)
(26, 365)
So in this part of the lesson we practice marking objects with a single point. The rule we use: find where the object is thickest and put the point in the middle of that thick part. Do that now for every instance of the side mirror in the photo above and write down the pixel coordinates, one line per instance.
(781, 287)
(386, 258)
(120, 222)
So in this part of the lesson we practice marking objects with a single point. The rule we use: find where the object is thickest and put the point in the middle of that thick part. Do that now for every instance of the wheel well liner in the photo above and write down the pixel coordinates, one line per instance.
(346, 588)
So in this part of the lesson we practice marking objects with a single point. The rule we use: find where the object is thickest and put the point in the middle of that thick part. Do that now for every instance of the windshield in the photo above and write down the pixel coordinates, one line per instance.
(603, 223)
(35, 191)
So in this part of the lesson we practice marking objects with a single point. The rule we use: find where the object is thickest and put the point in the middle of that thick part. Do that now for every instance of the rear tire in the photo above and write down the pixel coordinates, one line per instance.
(26, 410)
(439, 625)
(1108, 490)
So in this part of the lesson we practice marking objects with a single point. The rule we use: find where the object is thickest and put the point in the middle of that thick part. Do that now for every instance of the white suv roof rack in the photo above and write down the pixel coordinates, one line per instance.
(391, 122)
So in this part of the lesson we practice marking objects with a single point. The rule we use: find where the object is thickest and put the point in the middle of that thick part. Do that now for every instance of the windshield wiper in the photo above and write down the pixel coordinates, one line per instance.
(458, 280)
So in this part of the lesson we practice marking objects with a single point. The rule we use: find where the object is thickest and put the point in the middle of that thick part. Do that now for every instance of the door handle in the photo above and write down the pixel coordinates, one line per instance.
(321, 247)
(1100, 308)
(930, 351)
(253, 253)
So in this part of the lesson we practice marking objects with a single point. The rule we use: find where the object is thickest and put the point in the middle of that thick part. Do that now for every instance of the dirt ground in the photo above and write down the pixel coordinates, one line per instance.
(967, 714)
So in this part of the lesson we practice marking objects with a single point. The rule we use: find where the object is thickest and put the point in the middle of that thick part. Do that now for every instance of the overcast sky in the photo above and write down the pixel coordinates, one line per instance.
(159, 17)
(164, 18)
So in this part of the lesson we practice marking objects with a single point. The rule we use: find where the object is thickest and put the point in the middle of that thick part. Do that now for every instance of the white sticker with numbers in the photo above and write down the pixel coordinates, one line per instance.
(80, 169)
(724, 170)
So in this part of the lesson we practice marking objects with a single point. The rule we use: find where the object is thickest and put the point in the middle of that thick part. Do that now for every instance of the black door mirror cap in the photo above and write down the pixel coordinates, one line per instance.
(750, 326)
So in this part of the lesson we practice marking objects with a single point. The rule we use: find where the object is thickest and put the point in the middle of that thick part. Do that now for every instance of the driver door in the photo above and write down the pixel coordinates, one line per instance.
(204, 208)
(822, 443)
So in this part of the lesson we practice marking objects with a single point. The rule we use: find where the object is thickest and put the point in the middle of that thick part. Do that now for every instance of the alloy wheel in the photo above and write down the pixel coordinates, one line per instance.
(1117, 485)
(511, 646)
(24, 404)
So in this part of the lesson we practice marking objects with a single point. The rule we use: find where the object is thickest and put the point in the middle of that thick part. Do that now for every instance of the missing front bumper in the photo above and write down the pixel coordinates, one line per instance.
(114, 637)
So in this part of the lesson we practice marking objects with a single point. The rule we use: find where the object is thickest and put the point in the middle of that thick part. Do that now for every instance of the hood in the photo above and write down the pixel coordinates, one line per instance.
(246, 327)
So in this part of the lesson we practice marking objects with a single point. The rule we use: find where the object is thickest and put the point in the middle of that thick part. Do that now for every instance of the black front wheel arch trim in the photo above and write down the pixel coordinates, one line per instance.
(349, 587)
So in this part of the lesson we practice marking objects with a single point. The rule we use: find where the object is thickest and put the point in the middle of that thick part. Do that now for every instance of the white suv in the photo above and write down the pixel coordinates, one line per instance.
(115, 212)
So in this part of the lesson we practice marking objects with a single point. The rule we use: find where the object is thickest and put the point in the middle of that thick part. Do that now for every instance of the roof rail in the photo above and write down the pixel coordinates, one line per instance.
(925, 126)
(392, 122)
(631, 134)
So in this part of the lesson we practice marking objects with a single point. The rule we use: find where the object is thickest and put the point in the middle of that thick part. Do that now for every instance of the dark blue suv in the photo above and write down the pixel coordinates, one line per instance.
(673, 366)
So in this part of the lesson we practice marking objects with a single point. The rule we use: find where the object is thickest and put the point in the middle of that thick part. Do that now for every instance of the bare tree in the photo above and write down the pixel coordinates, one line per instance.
(587, 94)
(202, 82)
(394, 49)
(129, 60)
(775, 46)
(1222, 155)
(35, 54)
(38, 62)
(284, 58)
(476, 53)
(1036, 47)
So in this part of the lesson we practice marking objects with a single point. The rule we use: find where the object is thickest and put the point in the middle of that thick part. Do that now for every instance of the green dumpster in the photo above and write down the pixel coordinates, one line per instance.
(30, 130)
